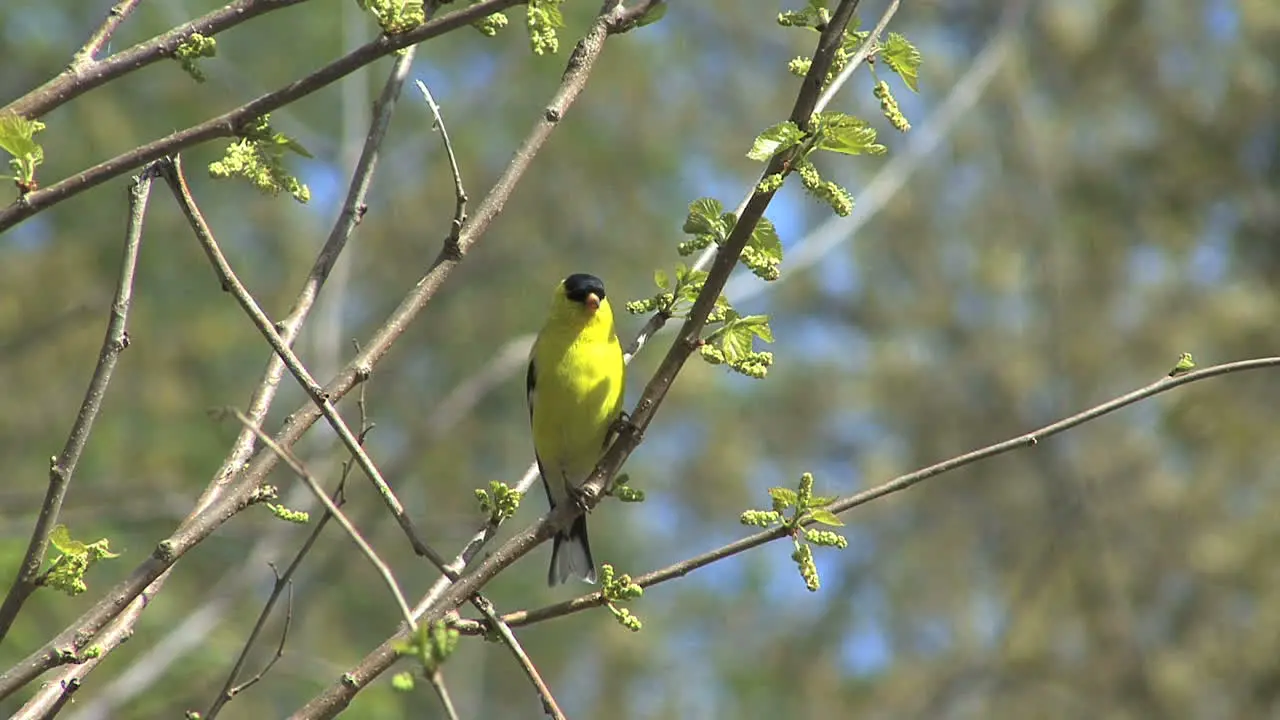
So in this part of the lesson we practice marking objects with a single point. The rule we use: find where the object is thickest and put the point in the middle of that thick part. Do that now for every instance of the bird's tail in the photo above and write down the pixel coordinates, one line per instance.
(571, 555)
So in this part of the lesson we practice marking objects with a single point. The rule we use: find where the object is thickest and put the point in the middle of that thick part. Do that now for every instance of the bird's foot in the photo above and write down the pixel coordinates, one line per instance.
(623, 423)
(582, 497)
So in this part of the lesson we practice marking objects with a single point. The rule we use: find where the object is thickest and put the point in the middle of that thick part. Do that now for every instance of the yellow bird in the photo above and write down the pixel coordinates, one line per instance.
(574, 386)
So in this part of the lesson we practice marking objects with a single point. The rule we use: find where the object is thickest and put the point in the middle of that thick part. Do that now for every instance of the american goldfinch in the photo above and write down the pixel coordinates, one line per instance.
(574, 387)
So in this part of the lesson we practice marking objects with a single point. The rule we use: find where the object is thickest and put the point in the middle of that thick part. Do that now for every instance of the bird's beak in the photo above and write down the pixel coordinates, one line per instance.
(593, 302)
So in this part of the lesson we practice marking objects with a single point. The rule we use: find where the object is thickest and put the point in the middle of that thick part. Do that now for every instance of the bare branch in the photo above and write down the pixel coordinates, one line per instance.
(332, 509)
(227, 124)
(100, 37)
(229, 688)
(63, 466)
(84, 75)
(460, 195)
(172, 172)
(284, 637)
(437, 683)
(509, 638)
(168, 649)
(1030, 439)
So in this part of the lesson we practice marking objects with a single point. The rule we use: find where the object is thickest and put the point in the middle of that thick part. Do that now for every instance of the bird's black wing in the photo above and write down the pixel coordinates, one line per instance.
(530, 391)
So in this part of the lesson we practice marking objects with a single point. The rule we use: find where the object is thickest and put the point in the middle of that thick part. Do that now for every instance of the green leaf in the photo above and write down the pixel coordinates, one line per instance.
(293, 145)
(660, 279)
(16, 134)
(765, 239)
(1185, 364)
(784, 135)
(704, 217)
(826, 517)
(903, 58)
(846, 134)
(654, 14)
(757, 325)
(784, 496)
(61, 540)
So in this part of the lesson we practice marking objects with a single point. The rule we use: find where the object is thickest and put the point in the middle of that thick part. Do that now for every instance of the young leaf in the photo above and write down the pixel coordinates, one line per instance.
(903, 58)
(775, 139)
(704, 217)
(660, 279)
(847, 135)
(16, 134)
(757, 325)
(61, 540)
(652, 15)
(826, 517)
(784, 496)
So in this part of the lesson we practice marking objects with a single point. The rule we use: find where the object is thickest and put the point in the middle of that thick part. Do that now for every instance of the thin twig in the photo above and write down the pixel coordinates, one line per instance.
(504, 631)
(100, 37)
(63, 466)
(1029, 439)
(172, 173)
(229, 688)
(55, 695)
(332, 509)
(284, 637)
(460, 195)
(229, 123)
(437, 683)
(864, 51)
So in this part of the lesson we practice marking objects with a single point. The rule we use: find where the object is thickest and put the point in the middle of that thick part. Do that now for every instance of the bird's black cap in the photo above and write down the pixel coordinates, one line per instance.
(579, 285)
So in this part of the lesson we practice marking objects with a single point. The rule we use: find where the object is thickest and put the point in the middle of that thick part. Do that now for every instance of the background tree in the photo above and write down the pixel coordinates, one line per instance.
(1093, 190)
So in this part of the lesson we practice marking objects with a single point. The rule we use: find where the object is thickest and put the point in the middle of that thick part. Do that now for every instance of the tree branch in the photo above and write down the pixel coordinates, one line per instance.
(229, 688)
(85, 74)
(62, 467)
(331, 508)
(172, 172)
(100, 37)
(227, 124)
(841, 505)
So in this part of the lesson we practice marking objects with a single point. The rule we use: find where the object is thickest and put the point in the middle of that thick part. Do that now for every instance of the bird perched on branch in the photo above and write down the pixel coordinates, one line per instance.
(574, 386)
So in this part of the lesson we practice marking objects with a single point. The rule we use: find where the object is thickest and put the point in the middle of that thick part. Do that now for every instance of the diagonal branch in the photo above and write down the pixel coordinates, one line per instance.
(227, 124)
(100, 37)
(63, 466)
(172, 172)
(331, 509)
(85, 74)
